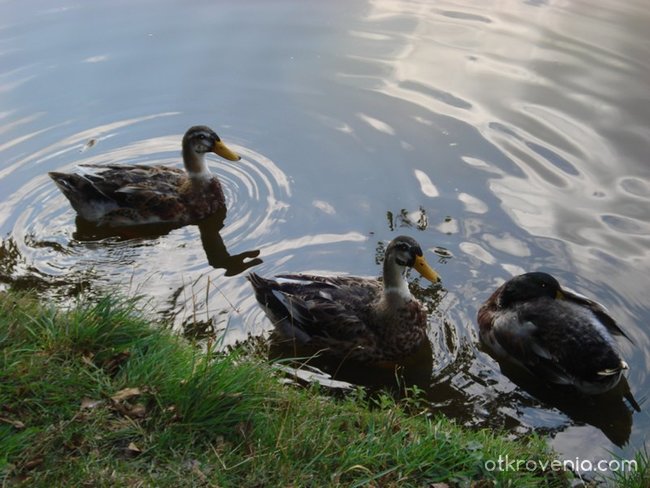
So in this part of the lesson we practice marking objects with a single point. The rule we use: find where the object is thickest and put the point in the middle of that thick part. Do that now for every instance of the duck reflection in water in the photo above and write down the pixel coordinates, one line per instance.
(215, 249)
(538, 330)
(607, 411)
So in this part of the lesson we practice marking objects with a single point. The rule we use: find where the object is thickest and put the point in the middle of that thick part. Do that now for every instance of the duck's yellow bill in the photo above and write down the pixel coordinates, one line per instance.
(422, 267)
(222, 150)
(559, 295)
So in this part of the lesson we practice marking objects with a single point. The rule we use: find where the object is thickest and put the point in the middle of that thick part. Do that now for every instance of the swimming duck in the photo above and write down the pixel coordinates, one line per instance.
(129, 194)
(358, 318)
(556, 334)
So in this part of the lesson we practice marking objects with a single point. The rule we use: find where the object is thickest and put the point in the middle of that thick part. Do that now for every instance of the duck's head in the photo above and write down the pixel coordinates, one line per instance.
(198, 141)
(529, 286)
(402, 253)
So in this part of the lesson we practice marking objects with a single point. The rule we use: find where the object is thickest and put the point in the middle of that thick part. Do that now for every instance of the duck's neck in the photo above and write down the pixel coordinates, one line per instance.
(395, 284)
(195, 164)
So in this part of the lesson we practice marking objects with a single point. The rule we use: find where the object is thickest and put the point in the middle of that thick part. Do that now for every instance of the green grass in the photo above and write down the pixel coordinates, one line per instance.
(639, 478)
(98, 396)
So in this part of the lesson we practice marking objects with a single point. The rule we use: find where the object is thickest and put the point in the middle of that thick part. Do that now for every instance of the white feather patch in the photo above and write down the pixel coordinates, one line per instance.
(402, 290)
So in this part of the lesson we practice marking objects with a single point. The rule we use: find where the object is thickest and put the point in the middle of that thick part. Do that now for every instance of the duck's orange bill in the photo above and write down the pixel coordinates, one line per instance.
(422, 267)
(222, 150)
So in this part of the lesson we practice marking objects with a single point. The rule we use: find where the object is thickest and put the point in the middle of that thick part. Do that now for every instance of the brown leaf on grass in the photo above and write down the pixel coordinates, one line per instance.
(482, 484)
(113, 364)
(7, 408)
(89, 403)
(137, 410)
(195, 466)
(32, 463)
(16, 424)
(87, 359)
(174, 414)
(132, 450)
(125, 394)
(133, 447)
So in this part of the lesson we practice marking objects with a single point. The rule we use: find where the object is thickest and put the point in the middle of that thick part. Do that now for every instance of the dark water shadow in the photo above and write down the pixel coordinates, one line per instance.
(217, 253)
(609, 412)
(21, 275)
(17, 271)
(390, 376)
(215, 249)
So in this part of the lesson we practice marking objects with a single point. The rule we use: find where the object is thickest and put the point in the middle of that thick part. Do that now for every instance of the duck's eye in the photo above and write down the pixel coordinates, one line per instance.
(202, 137)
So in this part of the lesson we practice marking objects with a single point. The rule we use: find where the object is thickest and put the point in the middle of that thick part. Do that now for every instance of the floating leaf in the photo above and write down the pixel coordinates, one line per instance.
(88, 145)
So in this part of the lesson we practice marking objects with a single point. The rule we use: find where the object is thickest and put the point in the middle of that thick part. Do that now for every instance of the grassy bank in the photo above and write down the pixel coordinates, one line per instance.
(97, 396)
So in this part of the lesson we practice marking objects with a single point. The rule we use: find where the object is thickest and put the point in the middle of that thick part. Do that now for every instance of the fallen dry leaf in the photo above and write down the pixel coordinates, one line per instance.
(114, 363)
(133, 447)
(17, 424)
(125, 394)
(32, 463)
(87, 360)
(132, 450)
(89, 403)
(195, 467)
(138, 410)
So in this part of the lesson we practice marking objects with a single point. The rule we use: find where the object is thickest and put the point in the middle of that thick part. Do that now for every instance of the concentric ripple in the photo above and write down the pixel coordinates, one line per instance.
(44, 246)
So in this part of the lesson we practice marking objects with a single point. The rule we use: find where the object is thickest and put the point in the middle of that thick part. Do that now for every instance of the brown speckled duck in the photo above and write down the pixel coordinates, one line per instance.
(558, 335)
(124, 195)
(358, 318)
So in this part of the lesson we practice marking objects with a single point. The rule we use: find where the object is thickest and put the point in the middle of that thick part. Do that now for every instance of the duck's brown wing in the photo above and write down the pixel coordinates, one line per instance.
(134, 185)
(125, 194)
(327, 310)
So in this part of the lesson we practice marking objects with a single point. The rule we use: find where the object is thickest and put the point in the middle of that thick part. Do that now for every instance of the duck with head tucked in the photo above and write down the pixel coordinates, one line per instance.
(368, 320)
(128, 194)
(556, 334)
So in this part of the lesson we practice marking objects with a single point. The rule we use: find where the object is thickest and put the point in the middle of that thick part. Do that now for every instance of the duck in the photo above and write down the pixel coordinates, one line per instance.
(559, 336)
(117, 195)
(362, 319)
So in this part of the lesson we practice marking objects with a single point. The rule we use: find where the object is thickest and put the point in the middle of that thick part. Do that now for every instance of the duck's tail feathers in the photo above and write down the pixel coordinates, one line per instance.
(264, 293)
(81, 192)
(614, 371)
(630, 398)
(278, 307)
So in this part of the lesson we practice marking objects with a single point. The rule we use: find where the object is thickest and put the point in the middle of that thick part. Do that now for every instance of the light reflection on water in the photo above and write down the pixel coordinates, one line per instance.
(514, 134)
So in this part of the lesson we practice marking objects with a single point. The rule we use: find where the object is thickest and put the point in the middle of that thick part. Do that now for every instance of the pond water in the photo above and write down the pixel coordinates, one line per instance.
(512, 133)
